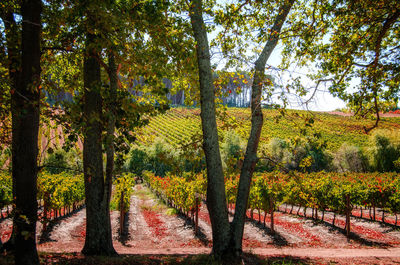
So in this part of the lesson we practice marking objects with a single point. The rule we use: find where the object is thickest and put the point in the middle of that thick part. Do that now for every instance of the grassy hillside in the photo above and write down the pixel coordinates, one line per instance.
(182, 125)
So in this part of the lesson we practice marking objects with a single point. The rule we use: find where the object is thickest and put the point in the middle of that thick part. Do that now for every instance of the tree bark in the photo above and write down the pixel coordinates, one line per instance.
(112, 67)
(216, 199)
(250, 158)
(25, 108)
(98, 239)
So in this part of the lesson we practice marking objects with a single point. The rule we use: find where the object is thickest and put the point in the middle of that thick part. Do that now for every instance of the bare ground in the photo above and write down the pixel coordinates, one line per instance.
(152, 228)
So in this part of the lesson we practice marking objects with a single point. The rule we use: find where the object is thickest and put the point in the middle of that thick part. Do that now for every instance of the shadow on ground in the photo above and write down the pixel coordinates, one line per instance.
(78, 259)
(45, 235)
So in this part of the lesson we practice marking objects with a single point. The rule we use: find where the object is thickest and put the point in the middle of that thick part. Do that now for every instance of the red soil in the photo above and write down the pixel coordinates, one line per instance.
(155, 223)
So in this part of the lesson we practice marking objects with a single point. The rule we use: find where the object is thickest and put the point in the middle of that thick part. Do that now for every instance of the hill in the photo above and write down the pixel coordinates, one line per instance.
(179, 126)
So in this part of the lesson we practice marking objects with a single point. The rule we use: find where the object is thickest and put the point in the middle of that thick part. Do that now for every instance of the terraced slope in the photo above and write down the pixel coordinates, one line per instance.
(180, 125)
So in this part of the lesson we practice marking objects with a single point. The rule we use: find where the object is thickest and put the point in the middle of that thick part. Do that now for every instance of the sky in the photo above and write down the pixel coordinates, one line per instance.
(322, 100)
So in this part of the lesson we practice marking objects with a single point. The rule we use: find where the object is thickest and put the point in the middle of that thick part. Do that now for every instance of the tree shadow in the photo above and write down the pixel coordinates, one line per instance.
(250, 258)
(158, 259)
(125, 235)
(277, 238)
(45, 235)
(352, 236)
(200, 232)
(393, 227)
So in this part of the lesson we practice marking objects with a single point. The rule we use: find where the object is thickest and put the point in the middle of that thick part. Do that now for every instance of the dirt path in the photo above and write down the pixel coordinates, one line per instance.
(153, 225)
(67, 235)
(365, 233)
(154, 229)
(294, 252)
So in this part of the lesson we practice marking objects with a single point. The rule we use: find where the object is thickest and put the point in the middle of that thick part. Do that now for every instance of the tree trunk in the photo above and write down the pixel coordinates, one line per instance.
(98, 239)
(25, 107)
(250, 158)
(109, 144)
(112, 71)
(216, 199)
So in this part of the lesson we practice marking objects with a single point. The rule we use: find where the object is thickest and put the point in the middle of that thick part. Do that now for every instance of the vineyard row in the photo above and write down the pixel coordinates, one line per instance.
(322, 191)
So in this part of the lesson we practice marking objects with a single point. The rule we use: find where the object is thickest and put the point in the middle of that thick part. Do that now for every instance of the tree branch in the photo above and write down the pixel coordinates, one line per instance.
(386, 26)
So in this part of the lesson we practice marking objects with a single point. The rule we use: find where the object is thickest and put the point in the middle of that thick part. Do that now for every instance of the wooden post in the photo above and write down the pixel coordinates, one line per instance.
(271, 211)
(196, 223)
(121, 214)
(374, 211)
(45, 209)
(348, 211)
(334, 217)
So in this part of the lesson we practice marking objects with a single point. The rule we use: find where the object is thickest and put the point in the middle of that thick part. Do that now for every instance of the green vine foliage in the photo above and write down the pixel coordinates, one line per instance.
(180, 191)
(5, 189)
(325, 191)
(60, 190)
(123, 189)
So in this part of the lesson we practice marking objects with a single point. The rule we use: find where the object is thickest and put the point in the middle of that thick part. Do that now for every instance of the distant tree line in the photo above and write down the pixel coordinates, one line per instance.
(234, 93)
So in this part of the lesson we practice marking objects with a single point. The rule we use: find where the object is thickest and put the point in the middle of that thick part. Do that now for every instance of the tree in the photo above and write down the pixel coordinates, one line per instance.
(106, 110)
(216, 200)
(24, 55)
(98, 240)
(250, 159)
(227, 238)
(355, 44)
